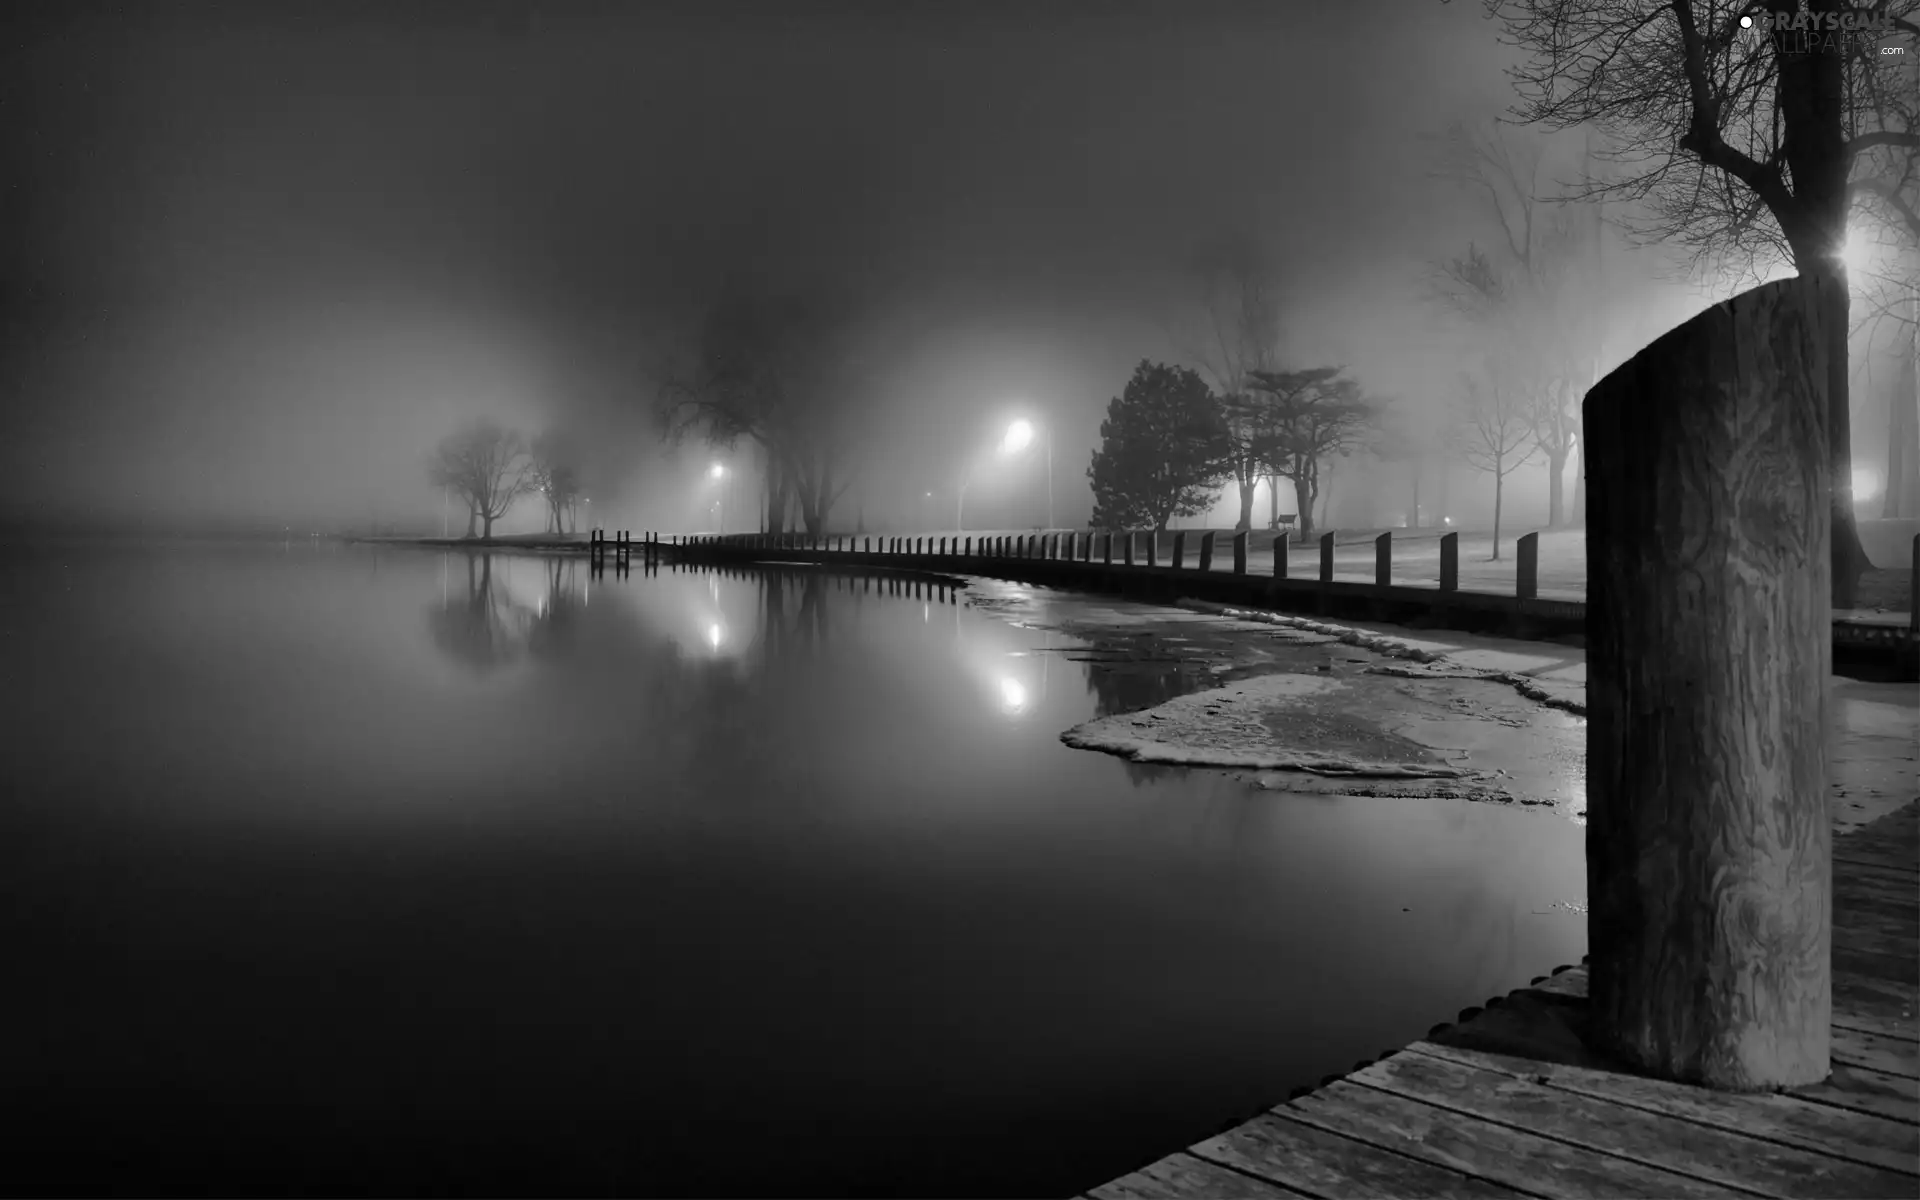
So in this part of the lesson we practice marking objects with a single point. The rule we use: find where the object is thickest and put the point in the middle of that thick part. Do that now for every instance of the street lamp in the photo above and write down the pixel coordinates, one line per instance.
(1019, 437)
(717, 472)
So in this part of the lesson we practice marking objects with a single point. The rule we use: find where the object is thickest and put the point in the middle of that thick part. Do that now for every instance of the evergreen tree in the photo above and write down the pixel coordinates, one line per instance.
(1164, 450)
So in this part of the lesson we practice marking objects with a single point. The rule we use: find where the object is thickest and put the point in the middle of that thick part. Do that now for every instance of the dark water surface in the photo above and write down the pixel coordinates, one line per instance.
(342, 870)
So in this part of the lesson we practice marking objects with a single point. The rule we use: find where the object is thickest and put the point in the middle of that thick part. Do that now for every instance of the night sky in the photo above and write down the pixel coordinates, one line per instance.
(257, 258)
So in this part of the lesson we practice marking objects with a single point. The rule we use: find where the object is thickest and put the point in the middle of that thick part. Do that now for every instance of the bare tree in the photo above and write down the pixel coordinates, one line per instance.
(486, 465)
(1496, 428)
(1526, 292)
(783, 373)
(1239, 319)
(1748, 144)
(553, 472)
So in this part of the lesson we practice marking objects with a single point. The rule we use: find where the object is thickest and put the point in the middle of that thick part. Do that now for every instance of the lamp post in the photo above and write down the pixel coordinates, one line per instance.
(1019, 437)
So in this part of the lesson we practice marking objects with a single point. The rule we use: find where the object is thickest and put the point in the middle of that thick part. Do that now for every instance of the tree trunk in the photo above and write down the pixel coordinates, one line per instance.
(1247, 485)
(1303, 504)
(1499, 482)
(1903, 430)
(1848, 555)
(1579, 515)
(1556, 487)
(488, 518)
(1709, 652)
(1324, 495)
(1812, 101)
(1273, 502)
(778, 487)
(473, 515)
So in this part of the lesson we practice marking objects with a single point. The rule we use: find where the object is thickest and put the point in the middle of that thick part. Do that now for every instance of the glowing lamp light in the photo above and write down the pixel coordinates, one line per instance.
(1013, 695)
(1866, 483)
(716, 472)
(1019, 437)
(715, 635)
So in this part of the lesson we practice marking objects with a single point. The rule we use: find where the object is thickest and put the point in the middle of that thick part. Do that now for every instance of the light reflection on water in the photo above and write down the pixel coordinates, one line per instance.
(490, 870)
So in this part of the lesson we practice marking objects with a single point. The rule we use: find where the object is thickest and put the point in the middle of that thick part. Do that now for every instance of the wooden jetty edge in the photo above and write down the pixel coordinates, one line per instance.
(1509, 1102)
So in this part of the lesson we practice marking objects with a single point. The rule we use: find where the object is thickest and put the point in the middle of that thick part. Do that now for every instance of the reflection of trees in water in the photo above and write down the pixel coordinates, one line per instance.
(557, 619)
(483, 629)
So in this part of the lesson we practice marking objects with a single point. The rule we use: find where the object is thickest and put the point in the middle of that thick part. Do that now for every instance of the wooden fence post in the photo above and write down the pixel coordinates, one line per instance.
(1383, 560)
(1179, 561)
(1913, 590)
(1153, 547)
(1326, 557)
(1527, 567)
(1127, 558)
(1450, 557)
(1709, 661)
(1206, 551)
(1106, 548)
(1240, 551)
(1282, 550)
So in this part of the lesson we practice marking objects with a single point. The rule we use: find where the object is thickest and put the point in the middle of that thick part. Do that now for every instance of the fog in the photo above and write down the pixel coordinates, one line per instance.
(255, 265)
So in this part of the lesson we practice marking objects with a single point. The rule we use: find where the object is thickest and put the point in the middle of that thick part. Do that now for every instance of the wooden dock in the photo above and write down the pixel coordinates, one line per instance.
(1508, 1102)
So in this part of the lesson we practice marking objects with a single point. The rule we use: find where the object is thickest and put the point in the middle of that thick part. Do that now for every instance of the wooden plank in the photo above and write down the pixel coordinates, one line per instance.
(1869, 1091)
(1852, 897)
(1874, 956)
(1887, 860)
(1518, 1158)
(1181, 1175)
(1895, 1056)
(1876, 1005)
(1872, 1144)
(1310, 1159)
(1729, 1158)
(1895, 876)
(1858, 909)
(1876, 891)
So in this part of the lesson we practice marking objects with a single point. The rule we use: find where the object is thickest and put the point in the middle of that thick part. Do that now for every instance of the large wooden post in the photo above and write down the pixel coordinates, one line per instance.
(1450, 554)
(1240, 552)
(1206, 550)
(1130, 539)
(1180, 550)
(1526, 569)
(1709, 651)
(1282, 550)
(1383, 560)
(1326, 556)
(1106, 547)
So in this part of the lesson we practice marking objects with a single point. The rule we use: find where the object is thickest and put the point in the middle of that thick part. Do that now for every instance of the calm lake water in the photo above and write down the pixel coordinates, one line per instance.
(339, 870)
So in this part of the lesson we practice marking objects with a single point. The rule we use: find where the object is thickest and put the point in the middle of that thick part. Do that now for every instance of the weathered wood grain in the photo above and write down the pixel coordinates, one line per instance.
(1864, 1090)
(1895, 876)
(1727, 1158)
(1183, 1175)
(1861, 1139)
(1893, 1055)
(1519, 1158)
(1709, 656)
(1326, 1164)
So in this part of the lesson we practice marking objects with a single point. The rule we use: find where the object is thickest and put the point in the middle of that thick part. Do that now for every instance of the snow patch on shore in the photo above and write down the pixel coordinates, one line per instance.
(1228, 727)
(1566, 695)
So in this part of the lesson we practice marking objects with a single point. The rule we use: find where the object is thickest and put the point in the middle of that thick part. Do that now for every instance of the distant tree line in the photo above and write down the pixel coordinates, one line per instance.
(490, 467)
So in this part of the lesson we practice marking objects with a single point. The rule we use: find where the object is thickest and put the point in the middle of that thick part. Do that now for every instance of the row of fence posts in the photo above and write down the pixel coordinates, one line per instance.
(1049, 546)
(1074, 546)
